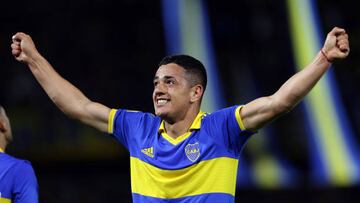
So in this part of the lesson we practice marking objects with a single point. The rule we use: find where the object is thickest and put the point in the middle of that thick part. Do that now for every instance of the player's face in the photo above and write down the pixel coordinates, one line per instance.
(171, 94)
(6, 128)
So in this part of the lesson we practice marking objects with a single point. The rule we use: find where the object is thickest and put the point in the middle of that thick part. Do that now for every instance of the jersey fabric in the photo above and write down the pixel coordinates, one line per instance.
(199, 166)
(18, 182)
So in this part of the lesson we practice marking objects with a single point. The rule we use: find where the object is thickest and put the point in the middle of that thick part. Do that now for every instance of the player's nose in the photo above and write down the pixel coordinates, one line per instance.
(160, 88)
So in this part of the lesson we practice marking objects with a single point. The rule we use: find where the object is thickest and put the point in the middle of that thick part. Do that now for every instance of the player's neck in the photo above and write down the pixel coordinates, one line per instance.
(2, 143)
(181, 126)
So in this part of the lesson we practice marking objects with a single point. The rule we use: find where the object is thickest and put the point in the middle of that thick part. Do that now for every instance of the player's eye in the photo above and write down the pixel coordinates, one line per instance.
(170, 82)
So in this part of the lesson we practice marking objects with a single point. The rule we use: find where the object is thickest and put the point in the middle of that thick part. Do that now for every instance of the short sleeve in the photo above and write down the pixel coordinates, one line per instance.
(125, 124)
(227, 128)
(25, 184)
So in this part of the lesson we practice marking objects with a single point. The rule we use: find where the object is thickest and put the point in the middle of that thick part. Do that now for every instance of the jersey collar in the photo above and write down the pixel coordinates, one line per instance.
(196, 124)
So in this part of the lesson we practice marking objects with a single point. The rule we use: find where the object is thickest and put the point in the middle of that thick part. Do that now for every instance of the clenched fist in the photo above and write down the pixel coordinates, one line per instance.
(23, 48)
(336, 45)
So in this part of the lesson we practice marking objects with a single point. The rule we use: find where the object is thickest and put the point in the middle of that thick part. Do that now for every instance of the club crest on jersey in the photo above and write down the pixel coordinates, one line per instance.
(192, 151)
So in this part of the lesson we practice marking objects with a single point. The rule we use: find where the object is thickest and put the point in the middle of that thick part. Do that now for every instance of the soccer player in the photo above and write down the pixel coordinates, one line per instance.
(181, 154)
(18, 182)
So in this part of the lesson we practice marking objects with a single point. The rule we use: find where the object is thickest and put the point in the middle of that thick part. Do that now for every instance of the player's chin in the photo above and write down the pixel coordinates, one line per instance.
(160, 112)
(9, 137)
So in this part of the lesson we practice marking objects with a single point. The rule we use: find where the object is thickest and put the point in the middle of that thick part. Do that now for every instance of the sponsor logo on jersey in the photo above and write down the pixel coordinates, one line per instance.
(148, 151)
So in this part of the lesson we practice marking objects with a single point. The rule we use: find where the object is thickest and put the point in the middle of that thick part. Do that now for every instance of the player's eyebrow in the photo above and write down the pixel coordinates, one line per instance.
(163, 78)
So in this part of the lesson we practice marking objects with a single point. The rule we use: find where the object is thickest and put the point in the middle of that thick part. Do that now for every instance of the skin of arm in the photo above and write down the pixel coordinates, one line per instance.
(65, 96)
(261, 111)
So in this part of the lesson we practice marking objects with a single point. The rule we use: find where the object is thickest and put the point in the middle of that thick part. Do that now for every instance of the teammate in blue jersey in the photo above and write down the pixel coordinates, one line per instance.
(18, 182)
(181, 154)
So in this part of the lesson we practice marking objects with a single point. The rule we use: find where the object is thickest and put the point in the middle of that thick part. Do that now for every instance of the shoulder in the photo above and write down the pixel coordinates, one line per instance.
(224, 113)
(25, 185)
(11, 160)
(25, 178)
(131, 115)
(16, 163)
(122, 120)
(16, 167)
(229, 116)
(119, 112)
(22, 166)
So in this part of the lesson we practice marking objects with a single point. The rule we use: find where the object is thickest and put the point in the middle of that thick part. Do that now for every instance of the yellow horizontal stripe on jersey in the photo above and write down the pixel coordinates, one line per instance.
(4, 200)
(211, 176)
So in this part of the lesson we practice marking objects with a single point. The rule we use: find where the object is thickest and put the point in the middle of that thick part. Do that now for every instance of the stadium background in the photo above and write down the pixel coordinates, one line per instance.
(110, 50)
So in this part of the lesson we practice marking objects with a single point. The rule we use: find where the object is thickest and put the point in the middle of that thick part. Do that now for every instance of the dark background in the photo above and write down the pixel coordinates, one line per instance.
(110, 50)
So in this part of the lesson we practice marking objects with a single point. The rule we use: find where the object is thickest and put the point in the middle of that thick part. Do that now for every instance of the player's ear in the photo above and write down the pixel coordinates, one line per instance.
(2, 125)
(196, 93)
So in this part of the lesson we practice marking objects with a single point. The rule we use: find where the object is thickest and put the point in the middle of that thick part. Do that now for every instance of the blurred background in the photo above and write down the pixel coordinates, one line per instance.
(110, 50)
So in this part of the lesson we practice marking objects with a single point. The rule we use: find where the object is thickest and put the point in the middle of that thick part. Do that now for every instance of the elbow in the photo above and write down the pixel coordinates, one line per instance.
(68, 108)
(282, 107)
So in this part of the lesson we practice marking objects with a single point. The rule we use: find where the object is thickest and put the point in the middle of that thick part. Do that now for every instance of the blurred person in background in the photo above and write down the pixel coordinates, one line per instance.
(181, 154)
(18, 183)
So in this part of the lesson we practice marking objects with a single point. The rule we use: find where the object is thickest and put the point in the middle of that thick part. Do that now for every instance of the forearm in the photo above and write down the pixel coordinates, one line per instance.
(261, 111)
(66, 97)
(295, 88)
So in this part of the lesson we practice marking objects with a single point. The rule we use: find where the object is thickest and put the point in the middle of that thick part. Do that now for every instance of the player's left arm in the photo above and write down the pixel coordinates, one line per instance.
(261, 111)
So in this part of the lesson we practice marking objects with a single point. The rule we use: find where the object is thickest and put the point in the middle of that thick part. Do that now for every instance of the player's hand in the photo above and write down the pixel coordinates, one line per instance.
(336, 45)
(23, 48)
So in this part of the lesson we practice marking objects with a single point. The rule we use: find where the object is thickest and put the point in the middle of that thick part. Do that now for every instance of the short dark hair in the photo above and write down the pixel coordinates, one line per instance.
(192, 66)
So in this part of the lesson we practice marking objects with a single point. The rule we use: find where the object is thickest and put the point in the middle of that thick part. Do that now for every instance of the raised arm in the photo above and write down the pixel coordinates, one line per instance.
(66, 97)
(263, 110)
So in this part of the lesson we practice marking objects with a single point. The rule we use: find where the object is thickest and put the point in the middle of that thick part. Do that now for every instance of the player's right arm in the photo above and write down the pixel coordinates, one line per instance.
(65, 96)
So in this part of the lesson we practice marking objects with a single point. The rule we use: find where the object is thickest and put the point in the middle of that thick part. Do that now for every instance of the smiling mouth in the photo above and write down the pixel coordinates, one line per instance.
(162, 102)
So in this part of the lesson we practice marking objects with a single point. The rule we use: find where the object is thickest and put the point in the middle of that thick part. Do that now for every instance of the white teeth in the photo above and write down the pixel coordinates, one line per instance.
(162, 101)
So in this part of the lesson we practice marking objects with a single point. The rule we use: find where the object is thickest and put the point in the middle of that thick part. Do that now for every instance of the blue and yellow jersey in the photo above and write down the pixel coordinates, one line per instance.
(18, 182)
(198, 166)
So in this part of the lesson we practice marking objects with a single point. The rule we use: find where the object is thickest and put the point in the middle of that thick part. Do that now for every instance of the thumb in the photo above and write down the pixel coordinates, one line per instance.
(18, 37)
(336, 31)
(23, 48)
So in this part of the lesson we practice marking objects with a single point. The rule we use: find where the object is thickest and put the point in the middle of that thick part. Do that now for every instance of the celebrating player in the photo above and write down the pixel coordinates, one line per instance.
(181, 154)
